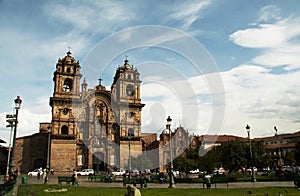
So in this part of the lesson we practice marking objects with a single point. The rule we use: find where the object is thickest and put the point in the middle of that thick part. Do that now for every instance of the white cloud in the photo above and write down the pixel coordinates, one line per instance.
(279, 40)
(268, 35)
(263, 36)
(257, 97)
(28, 123)
(91, 16)
(188, 13)
(269, 12)
(254, 95)
(287, 56)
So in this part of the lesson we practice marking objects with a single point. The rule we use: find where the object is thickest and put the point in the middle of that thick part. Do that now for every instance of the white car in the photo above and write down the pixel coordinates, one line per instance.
(119, 172)
(250, 169)
(34, 173)
(86, 172)
(196, 171)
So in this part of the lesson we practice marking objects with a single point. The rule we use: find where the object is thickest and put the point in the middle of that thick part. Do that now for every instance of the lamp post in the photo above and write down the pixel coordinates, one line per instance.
(10, 120)
(129, 154)
(253, 179)
(278, 146)
(18, 102)
(48, 156)
(171, 183)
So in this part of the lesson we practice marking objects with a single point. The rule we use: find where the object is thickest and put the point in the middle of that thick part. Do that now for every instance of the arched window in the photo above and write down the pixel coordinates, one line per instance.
(130, 90)
(68, 70)
(130, 132)
(68, 85)
(64, 130)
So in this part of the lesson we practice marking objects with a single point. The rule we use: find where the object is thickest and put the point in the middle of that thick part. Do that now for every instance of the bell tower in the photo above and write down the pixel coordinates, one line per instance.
(126, 100)
(66, 93)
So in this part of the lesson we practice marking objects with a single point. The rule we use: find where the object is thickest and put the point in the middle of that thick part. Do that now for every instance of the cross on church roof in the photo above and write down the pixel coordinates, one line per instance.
(100, 80)
(126, 60)
(69, 52)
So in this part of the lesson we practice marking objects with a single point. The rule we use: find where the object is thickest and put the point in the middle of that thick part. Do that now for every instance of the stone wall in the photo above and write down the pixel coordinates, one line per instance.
(31, 152)
(63, 155)
(135, 151)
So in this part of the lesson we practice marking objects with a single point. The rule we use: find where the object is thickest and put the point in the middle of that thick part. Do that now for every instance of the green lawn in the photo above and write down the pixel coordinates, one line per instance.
(87, 191)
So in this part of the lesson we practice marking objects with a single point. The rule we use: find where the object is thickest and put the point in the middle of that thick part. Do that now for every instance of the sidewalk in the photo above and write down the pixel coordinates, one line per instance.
(83, 180)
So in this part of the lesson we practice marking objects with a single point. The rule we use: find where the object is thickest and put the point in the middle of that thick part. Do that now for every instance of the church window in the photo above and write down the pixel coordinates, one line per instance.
(65, 111)
(67, 86)
(130, 132)
(64, 130)
(68, 70)
(129, 77)
(98, 128)
(131, 114)
(180, 134)
(129, 90)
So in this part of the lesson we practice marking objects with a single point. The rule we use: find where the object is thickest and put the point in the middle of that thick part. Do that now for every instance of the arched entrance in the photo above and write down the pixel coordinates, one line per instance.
(98, 162)
(39, 163)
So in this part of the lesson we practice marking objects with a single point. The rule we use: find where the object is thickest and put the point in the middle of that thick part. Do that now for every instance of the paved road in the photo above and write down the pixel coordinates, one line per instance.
(84, 182)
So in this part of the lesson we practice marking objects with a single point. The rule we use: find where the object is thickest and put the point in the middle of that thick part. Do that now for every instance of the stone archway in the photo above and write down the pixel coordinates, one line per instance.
(39, 162)
(98, 162)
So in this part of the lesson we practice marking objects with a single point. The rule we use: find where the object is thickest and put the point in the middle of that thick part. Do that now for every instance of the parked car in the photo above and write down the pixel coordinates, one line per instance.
(119, 172)
(148, 171)
(195, 171)
(86, 172)
(135, 172)
(250, 169)
(219, 171)
(34, 173)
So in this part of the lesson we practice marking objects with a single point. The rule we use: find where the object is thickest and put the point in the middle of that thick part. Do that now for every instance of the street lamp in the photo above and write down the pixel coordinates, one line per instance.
(18, 102)
(278, 146)
(171, 183)
(129, 154)
(10, 119)
(253, 179)
(48, 156)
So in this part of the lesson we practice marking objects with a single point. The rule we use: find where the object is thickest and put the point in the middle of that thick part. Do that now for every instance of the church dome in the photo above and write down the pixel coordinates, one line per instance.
(126, 65)
(166, 131)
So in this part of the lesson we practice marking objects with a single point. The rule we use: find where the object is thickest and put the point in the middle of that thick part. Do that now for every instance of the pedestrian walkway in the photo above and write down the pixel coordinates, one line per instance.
(83, 180)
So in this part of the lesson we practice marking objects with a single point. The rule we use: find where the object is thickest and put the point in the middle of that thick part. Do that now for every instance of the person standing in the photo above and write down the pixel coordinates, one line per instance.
(39, 173)
(75, 178)
(44, 175)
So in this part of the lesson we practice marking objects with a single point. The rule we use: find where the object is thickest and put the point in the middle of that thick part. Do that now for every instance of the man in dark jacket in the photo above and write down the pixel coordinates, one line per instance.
(8, 185)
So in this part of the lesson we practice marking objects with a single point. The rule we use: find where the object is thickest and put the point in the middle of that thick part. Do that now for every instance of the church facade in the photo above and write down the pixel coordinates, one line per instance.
(93, 128)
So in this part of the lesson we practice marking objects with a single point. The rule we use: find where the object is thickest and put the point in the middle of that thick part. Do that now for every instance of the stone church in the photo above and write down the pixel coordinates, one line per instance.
(94, 127)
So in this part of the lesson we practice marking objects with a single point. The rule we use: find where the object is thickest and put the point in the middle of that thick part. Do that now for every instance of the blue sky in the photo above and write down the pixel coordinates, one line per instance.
(253, 46)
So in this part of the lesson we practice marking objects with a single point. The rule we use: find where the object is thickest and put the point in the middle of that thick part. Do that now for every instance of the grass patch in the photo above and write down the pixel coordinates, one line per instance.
(78, 190)
(39, 190)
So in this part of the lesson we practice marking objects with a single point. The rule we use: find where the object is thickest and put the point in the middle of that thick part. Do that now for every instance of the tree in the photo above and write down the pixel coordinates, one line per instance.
(233, 155)
(186, 161)
(289, 158)
(210, 160)
(261, 158)
(297, 153)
